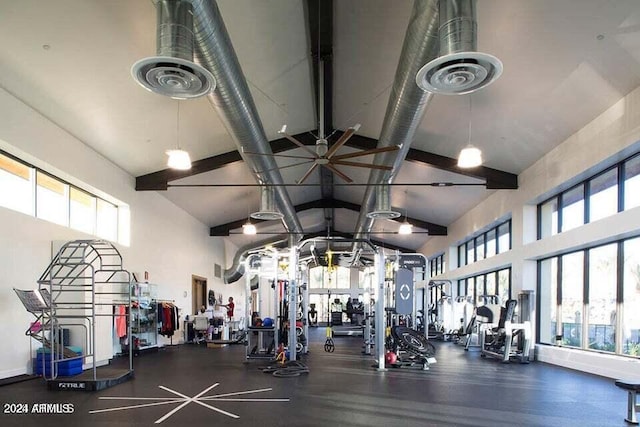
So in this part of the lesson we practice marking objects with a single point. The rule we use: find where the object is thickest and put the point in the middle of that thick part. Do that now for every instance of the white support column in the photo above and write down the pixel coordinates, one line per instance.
(304, 278)
(380, 314)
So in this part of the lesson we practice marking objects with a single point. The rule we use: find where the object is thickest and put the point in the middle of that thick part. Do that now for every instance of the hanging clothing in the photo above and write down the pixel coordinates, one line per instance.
(121, 321)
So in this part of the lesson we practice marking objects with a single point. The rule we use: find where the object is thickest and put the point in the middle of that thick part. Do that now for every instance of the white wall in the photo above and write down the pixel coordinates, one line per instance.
(609, 138)
(165, 241)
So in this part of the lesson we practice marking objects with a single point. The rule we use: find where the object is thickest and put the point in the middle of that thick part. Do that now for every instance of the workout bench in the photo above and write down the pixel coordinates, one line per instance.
(632, 387)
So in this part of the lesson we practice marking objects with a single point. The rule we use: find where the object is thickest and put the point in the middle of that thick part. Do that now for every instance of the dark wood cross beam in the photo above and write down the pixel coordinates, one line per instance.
(434, 229)
(495, 179)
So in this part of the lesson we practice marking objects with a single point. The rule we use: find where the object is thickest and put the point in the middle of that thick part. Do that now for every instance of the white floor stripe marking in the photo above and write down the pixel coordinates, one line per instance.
(213, 408)
(137, 398)
(185, 400)
(248, 400)
(121, 408)
(260, 390)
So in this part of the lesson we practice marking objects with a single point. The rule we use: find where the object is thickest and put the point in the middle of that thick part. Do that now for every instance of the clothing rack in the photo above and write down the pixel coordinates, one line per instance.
(172, 302)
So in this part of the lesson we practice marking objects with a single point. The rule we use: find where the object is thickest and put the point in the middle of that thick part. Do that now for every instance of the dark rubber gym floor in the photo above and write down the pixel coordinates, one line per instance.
(342, 389)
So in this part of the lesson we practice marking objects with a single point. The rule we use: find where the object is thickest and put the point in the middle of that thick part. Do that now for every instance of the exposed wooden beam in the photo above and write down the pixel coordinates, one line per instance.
(158, 181)
(495, 179)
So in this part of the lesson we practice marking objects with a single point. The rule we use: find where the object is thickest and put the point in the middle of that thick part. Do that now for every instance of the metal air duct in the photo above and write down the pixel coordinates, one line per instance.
(383, 204)
(235, 106)
(407, 103)
(459, 69)
(268, 210)
(172, 71)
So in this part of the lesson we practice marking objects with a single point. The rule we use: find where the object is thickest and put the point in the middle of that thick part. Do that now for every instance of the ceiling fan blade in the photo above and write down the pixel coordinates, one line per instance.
(337, 172)
(366, 152)
(253, 153)
(284, 167)
(341, 141)
(362, 165)
(306, 175)
(296, 142)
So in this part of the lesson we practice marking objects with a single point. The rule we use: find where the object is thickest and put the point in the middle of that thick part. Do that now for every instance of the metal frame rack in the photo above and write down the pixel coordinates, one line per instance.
(77, 290)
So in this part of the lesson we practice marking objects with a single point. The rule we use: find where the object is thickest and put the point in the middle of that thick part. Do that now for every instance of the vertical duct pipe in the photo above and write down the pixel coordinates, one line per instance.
(234, 104)
(172, 71)
(407, 103)
(459, 69)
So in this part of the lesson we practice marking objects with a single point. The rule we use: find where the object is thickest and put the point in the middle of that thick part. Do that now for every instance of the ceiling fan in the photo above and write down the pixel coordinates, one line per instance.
(325, 156)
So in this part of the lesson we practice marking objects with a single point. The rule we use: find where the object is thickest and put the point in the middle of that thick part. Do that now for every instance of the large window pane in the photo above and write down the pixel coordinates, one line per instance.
(632, 183)
(631, 278)
(504, 284)
(480, 247)
(471, 249)
(16, 189)
(490, 284)
(548, 300)
(572, 298)
(504, 237)
(603, 200)
(82, 211)
(343, 277)
(573, 208)
(52, 198)
(480, 290)
(107, 220)
(491, 243)
(549, 218)
(602, 297)
(462, 256)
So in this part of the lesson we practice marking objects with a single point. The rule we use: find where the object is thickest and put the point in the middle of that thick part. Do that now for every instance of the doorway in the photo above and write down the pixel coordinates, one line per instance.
(198, 293)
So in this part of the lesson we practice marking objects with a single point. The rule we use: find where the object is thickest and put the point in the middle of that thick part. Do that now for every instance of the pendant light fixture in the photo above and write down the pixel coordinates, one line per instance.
(248, 228)
(178, 158)
(470, 156)
(406, 227)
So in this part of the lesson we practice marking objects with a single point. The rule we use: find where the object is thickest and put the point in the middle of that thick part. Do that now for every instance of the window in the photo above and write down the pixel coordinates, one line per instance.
(27, 189)
(491, 243)
(548, 290)
(51, 199)
(82, 211)
(602, 297)
(480, 289)
(490, 284)
(504, 284)
(436, 265)
(480, 254)
(504, 237)
(548, 218)
(462, 255)
(631, 297)
(632, 182)
(471, 251)
(603, 195)
(572, 281)
(573, 208)
(16, 185)
(612, 191)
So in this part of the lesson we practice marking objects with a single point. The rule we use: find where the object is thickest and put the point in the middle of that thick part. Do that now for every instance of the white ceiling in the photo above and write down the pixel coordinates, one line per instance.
(565, 62)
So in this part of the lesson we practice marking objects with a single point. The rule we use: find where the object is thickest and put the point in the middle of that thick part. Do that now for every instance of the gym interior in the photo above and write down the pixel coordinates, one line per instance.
(431, 212)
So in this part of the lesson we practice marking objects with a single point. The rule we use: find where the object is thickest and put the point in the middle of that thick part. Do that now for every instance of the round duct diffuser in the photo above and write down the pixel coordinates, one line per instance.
(174, 77)
(267, 215)
(459, 73)
(383, 214)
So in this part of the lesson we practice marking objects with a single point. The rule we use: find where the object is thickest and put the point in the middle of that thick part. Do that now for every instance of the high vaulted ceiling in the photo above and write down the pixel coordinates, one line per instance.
(565, 62)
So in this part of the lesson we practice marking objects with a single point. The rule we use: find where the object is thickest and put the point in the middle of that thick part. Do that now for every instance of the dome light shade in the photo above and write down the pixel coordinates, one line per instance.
(249, 228)
(405, 228)
(178, 159)
(470, 157)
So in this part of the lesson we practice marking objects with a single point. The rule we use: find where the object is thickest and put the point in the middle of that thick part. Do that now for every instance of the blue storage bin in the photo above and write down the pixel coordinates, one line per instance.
(42, 363)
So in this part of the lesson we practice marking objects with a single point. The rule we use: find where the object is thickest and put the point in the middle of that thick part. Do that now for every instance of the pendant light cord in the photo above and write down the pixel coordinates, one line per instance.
(469, 141)
(178, 127)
